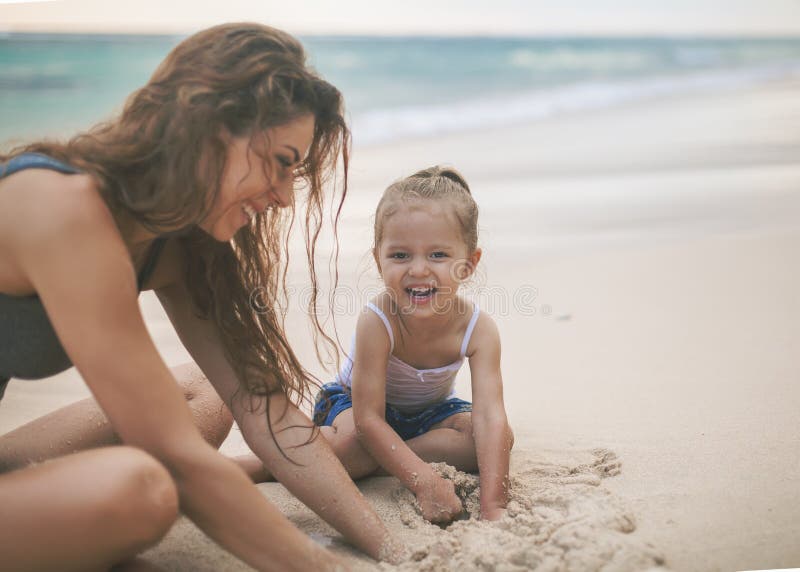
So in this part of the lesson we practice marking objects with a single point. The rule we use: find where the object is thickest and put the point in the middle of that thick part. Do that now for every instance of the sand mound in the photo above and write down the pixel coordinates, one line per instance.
(559, 518)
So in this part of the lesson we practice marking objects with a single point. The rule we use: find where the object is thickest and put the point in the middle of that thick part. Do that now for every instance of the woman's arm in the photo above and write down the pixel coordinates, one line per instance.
(436, 495)
(493, 437)
(316, 477)
(72, 254)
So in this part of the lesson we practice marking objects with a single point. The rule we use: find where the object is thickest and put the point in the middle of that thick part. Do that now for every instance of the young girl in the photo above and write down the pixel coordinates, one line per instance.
(392, 405)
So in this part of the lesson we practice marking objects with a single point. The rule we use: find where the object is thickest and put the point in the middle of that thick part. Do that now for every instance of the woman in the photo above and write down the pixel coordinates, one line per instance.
(186, 193)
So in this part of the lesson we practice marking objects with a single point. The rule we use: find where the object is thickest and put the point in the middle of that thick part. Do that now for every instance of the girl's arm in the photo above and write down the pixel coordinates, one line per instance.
(316, 476)
(73, 255)
(493, 436)
(436, 495)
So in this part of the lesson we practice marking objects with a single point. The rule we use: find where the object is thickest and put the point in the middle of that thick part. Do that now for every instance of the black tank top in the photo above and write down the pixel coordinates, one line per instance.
(29, 347)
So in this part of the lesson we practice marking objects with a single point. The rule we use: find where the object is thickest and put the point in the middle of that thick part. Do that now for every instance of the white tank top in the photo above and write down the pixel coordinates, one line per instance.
(407, 388)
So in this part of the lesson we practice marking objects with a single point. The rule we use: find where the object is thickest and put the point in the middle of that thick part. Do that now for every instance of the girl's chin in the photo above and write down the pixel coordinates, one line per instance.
(422, 308)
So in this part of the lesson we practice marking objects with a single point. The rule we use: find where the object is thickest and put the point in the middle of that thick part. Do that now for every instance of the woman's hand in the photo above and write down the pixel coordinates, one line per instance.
(437, 500)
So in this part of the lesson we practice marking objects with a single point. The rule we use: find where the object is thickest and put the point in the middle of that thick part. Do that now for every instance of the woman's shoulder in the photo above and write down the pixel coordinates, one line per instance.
(43, 200)
(44, 212)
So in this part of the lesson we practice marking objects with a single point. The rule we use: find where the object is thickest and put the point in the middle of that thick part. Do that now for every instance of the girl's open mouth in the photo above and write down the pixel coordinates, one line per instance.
(420, 294)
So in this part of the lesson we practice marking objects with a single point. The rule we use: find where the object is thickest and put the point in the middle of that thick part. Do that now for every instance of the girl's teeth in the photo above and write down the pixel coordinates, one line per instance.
(420, 292)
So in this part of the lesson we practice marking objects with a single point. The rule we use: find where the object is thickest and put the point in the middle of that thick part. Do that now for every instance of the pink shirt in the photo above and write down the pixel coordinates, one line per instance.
(407, 388)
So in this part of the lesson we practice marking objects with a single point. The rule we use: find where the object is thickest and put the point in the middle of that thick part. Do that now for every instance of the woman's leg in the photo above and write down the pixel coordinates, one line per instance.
(82, 425)
(84, 512)
(254, 468)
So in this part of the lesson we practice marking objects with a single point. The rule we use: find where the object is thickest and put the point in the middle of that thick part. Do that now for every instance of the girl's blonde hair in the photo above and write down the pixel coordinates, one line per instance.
(433, 183)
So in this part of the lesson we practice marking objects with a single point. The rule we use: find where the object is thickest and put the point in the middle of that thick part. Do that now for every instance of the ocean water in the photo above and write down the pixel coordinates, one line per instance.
(396, 87)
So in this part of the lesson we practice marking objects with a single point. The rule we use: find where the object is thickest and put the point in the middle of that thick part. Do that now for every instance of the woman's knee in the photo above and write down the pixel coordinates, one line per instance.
(211, 415)
(142, 496)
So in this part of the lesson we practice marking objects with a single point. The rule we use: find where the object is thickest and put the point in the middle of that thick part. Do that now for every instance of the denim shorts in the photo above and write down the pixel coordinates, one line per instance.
(334, 398)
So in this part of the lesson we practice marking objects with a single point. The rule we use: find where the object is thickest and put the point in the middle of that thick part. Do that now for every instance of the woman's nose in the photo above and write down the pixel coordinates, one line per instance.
(283, 194)
(280, 194)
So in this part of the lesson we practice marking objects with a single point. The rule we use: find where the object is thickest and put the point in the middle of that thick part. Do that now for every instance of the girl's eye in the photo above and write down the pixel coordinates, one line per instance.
(398, 255)
(439, 255)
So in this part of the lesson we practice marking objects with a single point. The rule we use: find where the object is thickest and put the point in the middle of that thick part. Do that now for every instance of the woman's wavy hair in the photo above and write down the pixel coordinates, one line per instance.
(160, 163)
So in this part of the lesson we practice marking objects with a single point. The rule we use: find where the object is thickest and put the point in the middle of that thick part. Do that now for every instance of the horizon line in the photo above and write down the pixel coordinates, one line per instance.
(167, 31)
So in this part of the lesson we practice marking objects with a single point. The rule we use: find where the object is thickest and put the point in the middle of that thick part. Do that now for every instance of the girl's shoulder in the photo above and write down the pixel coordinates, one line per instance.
(382, 301)
(374, 327)
(484, 333)
(378, 309)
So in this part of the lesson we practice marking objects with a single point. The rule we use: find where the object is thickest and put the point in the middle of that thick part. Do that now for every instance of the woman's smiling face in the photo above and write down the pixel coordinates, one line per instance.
(259, 174)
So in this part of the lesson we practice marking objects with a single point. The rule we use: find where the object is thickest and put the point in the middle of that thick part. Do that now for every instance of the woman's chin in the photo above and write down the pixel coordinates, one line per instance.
(217, 234)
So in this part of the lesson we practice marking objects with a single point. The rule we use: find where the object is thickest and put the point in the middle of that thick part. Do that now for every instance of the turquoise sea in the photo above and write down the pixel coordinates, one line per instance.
(52, 85)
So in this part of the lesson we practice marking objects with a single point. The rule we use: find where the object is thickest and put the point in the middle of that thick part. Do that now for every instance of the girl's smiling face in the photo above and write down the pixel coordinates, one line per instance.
(259, 174)
(423, 257)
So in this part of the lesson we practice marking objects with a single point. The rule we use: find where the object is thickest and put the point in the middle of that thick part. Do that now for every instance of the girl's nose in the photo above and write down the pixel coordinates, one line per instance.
(419, 267)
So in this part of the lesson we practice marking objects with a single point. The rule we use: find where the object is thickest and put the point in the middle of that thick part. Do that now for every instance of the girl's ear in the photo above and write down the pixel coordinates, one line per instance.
(375, 258)
(474, 259)
(466, 269)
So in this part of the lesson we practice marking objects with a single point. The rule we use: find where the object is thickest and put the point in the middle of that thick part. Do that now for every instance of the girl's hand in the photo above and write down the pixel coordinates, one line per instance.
(495, 513)
(438, 501)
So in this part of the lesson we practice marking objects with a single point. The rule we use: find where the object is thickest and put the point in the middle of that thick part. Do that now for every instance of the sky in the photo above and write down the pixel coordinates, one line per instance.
(433, 17)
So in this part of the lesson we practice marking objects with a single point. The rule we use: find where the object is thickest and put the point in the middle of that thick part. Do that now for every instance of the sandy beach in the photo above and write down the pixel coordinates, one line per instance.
(640, 262)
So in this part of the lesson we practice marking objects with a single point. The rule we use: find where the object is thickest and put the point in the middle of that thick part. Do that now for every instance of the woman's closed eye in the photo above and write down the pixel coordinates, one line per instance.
(285, 162)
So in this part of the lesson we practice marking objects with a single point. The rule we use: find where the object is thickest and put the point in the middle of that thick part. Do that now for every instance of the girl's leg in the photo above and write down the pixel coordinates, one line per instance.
(82, 425)
(448, 441)
(85, 511)
(344, 442)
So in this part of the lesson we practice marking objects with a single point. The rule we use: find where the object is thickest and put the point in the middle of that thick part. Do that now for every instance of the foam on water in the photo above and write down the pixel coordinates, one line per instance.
(397, 87)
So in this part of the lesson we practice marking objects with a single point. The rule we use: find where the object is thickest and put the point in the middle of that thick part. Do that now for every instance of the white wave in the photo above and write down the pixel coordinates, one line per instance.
(566, 60)
(388, 124)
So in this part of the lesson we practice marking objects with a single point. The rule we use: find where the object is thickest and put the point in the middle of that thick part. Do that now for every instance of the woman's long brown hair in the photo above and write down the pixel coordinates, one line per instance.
(160, 164)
